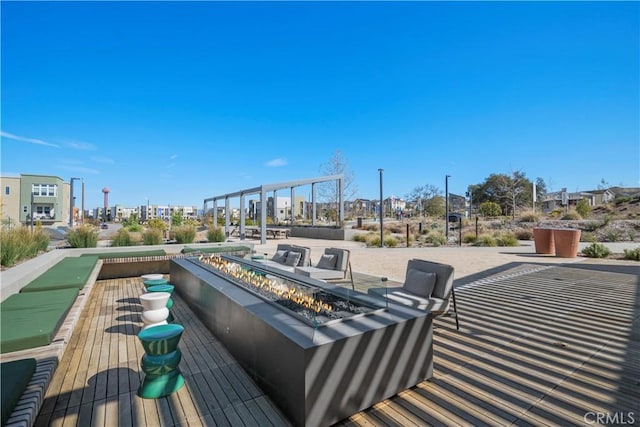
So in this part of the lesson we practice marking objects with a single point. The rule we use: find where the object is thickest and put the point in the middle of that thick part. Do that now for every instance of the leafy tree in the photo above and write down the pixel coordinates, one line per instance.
(176, 218)
(423, 197)
(435, 207)
(489, 209)
(131, 221)
(329, 191)
(510, 192)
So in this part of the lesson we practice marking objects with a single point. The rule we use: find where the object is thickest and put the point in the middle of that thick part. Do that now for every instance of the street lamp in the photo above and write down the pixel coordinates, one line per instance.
(446, 207)
(71, 201)
(381, 212)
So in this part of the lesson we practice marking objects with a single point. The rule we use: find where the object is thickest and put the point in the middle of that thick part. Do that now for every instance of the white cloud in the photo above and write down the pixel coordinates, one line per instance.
(175, 156)
(103, 160)
(276, 163)
(79, 145)
(29, 140)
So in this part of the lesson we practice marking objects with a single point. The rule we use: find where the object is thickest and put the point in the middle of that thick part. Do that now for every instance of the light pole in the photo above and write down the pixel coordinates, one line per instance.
(71, 201)
(82, 201)
(31, 214)
(446, 207)
(381, 212)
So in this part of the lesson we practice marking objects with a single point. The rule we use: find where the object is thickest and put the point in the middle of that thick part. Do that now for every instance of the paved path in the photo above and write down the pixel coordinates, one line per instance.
(470, 262)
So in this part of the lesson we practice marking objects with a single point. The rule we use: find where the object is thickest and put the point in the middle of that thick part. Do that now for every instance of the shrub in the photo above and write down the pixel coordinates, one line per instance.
(468, 238)
(632, 254)
(85, 236)
(596, 250)
(216, 234)
(571, 216)
(506, 239)
(373, 240)
(185, 233)
(158, 224)
(583, 208)
(122, 238)
(360, 237)
(529, 217)
(611, 235)
(436, 238)
(152, 236)
(591, 226)
(134, 227)
(556, 213)
(485, 240)
(21, 243)
(489, 209)
(524, 234)
(390, 241)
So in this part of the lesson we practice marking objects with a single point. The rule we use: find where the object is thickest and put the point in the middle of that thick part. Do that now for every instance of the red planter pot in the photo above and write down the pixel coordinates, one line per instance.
(566, 242)
(543, 239)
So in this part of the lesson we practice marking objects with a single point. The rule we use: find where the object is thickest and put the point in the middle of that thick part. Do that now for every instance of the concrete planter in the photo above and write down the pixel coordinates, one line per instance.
(544, 241)
(566, 242)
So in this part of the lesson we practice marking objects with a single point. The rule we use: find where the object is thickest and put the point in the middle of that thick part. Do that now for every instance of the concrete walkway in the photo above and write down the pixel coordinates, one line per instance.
(470, 262)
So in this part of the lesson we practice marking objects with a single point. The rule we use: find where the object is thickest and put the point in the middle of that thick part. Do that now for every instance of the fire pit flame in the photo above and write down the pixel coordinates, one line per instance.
(262, 282)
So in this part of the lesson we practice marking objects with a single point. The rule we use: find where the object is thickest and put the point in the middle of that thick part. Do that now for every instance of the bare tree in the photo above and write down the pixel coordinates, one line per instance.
(329, 191)
(427, 199)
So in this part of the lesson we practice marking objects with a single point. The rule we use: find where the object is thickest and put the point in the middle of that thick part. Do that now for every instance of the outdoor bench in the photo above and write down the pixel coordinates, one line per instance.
(31, 319)
(70, 272)
(15, 378)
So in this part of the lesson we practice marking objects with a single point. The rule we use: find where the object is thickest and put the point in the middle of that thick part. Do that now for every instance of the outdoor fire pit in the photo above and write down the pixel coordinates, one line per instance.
(321, 352)
(309, 303)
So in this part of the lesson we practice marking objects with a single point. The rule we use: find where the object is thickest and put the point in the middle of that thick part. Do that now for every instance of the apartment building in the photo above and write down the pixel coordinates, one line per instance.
(41, 198)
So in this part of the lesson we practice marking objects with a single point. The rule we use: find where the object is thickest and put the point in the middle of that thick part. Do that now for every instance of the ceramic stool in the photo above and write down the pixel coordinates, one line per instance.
(154, 282)
(154, 308)
(163, 288)
(160, 361)
(152, 276)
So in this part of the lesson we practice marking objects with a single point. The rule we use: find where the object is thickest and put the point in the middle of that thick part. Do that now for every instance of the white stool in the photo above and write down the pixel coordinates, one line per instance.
(154, 308)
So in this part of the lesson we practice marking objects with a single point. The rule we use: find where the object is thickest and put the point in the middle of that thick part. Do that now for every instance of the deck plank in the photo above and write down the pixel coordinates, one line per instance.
(536, 347)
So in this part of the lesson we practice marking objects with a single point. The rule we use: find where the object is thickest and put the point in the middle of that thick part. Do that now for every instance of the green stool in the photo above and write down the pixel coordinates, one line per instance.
(161, 360)
(155, 282)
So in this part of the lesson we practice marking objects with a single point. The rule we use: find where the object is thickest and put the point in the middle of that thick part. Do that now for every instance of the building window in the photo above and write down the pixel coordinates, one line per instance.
(24, 209)
(44, 190)
(7, 190)
(43, 211)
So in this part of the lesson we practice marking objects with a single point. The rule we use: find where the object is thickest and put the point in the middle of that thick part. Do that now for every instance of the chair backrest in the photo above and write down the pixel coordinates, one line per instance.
(342, 258)
(305, 259)
(444, 276)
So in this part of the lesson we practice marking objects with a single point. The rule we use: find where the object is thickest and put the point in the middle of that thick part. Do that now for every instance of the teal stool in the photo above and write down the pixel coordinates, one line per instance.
(155, 282)
(164, 288)
(160, 361)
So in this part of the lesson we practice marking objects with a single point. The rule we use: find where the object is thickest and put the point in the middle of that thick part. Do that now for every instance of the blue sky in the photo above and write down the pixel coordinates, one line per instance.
(179, 101)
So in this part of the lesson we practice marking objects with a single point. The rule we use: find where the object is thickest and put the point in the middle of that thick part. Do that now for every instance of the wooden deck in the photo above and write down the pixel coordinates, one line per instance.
(537, 346)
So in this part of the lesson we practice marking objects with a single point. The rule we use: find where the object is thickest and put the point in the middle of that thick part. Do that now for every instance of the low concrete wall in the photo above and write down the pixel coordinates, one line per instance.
(14, 278)
(324, 233)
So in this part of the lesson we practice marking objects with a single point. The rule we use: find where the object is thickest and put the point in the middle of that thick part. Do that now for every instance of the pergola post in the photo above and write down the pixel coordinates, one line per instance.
(243, 217)
(227, 216)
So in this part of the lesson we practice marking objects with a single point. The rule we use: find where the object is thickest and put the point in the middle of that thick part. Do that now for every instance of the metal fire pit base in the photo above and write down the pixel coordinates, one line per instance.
(317, 376)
